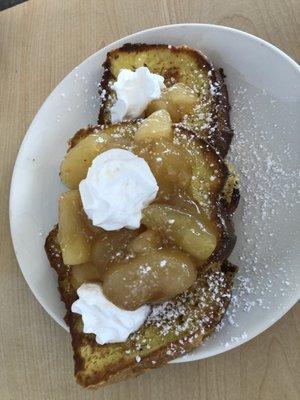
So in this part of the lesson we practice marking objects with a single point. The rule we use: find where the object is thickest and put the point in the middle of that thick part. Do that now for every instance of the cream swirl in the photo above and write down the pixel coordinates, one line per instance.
(108, 322)
(118, 186)
(135, 90)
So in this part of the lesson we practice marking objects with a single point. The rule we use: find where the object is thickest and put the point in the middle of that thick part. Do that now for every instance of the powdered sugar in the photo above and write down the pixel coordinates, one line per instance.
(263, 152)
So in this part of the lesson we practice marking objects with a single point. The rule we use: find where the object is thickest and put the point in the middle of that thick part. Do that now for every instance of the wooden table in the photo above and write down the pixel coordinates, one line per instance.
(40, 42)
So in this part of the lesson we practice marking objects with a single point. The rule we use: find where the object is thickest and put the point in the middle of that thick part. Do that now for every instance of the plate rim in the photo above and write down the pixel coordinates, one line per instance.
(187, 358)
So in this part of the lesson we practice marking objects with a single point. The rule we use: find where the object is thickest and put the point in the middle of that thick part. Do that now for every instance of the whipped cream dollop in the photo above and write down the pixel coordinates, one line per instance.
(108, 322)
(118, 186)
(135, 90)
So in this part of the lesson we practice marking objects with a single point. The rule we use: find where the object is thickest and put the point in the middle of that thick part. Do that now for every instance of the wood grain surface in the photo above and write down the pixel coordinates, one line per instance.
(40, 42)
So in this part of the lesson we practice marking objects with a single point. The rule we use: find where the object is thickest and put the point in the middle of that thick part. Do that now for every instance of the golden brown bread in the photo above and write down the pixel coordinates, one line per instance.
(210, 118)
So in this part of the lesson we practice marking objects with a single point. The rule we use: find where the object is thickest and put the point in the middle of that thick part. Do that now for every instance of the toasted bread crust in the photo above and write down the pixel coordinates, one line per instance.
(222, 135)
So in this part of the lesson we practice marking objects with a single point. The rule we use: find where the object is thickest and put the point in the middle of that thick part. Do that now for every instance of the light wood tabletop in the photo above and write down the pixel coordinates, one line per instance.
(40, 42)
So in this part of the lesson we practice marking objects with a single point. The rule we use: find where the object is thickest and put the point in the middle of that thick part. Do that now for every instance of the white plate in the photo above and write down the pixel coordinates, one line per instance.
(264, 89)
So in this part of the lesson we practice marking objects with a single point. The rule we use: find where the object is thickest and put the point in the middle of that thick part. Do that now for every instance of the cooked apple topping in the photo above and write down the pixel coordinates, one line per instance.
(78, 159)
(157, 126)
(179, 232)
(147, 278)
(146, 242)
(178, 100)
(111, 246)
(188, 232)
(73, 235)
(87, 272)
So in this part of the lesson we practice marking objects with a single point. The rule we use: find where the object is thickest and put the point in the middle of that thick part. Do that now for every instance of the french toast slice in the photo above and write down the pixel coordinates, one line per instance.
(174, 327)
(209, 118)
(171, 330)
